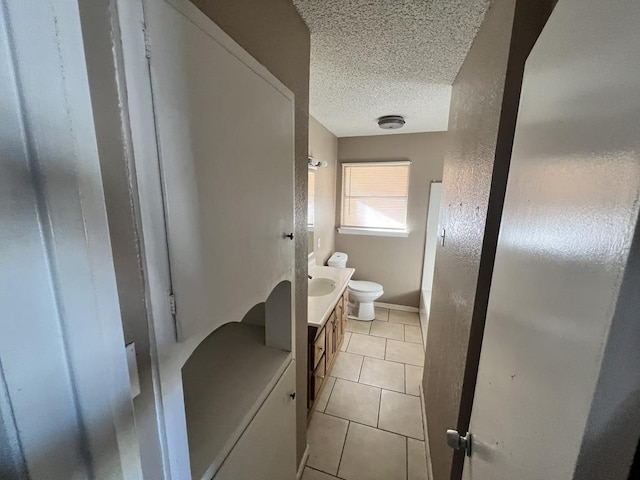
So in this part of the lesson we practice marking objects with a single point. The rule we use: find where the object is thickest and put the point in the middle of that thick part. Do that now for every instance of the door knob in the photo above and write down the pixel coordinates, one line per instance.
(289, 236)
(458, 442)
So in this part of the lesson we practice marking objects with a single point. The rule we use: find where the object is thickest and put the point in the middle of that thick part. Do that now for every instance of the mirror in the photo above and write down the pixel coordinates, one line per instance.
(311, 212)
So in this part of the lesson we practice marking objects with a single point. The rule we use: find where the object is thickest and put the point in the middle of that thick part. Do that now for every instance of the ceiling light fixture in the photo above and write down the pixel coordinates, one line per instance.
(391, 122)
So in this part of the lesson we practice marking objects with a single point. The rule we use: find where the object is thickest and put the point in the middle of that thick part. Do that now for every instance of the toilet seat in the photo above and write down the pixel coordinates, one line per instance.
(364, 286)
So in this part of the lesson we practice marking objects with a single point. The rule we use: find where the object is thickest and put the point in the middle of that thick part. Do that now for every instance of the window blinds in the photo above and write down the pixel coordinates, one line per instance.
(374, 195)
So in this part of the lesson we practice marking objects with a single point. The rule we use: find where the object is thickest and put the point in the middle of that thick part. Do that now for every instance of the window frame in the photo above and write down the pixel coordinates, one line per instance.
(374, 231)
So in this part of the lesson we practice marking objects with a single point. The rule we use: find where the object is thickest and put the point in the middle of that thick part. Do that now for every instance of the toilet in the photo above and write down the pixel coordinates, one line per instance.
(362, 294)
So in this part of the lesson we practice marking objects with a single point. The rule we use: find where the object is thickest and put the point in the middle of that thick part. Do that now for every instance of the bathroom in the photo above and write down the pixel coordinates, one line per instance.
(220, 223)
(370, 392)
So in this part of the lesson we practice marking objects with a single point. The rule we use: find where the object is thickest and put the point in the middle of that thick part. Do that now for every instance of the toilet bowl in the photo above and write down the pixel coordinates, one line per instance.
(361, 297)
(362, 294)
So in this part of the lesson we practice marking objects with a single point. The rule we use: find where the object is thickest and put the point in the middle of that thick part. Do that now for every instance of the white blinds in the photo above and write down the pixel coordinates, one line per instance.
(374, 195)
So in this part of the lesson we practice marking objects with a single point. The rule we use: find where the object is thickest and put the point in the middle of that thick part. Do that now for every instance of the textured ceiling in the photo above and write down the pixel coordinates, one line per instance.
(371, 58)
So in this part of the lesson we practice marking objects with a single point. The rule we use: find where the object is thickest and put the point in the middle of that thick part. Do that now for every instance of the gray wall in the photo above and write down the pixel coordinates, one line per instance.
(323, 146)
(558, 382)
(482, 120)
(393, 262)
(274, 34)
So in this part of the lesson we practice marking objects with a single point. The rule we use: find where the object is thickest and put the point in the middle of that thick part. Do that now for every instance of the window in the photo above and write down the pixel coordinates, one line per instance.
(374, 198)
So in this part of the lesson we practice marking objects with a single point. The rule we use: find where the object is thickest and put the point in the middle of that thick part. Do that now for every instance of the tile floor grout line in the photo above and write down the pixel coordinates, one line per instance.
(348, 342)
(404, 379)
(385, 388)
(394, 361)
(320, 471)
(371, 426)
(407, 458)
(330, 393)
(389, 338)
(403, 434)
(379, 408)
(344, 444)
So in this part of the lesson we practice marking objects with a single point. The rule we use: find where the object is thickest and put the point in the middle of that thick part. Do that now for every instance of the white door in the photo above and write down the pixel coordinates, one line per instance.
(555, 390)
(225, 135)
(267, 448)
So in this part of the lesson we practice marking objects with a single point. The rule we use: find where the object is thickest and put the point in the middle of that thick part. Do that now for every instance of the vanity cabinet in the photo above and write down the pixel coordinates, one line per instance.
(324, 345)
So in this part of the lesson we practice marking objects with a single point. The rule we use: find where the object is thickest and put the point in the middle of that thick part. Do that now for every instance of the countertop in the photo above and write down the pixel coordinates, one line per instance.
(319, 308)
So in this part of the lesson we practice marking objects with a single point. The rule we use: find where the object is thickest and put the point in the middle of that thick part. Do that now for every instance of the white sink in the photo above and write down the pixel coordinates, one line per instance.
(321, 286)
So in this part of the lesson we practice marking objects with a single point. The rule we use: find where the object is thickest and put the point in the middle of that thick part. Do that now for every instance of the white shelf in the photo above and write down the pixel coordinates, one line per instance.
(225, 382)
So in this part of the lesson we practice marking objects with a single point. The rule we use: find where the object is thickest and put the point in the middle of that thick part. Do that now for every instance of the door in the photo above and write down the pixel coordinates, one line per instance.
(65, 400)
(267, 448)
(556, 397)
(225, 138)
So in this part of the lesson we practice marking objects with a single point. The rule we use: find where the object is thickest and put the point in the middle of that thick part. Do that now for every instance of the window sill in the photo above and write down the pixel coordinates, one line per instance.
(374, 232)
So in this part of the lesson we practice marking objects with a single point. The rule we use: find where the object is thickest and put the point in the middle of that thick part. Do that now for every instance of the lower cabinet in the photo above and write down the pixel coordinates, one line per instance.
(324, 344)
(267, 448)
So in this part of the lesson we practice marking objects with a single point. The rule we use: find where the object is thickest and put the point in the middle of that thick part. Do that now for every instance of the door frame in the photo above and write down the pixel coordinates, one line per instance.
(54, 150)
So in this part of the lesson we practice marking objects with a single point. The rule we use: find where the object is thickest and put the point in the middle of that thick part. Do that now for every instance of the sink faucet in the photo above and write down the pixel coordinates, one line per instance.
(310, 277)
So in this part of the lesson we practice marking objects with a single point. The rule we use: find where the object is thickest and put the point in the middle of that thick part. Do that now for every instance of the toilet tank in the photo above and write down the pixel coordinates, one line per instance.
(338, 259)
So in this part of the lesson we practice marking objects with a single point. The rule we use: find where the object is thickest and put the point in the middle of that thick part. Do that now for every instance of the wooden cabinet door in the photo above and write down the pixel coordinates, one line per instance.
(318, 376)
(330, 335)
(318, 349)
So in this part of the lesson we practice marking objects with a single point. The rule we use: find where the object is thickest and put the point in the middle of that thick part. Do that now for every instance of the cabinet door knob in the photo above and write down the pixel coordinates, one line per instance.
(293, 395)
(289, 236)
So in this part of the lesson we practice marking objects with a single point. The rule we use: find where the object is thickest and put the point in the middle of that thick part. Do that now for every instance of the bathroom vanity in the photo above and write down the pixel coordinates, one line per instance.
(327, 322)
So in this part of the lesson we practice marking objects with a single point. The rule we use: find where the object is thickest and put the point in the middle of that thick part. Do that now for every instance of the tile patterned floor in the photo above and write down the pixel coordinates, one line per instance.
(367, 423)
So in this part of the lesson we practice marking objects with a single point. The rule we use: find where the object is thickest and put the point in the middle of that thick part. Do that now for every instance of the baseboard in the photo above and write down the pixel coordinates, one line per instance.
(393, 306)
(303, 463)
(427, 450)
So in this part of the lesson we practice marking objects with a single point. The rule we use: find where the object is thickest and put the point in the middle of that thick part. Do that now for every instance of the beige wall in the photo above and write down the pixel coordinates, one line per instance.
(323, 145)
(274, 34)
(395, 263)
(482, 120)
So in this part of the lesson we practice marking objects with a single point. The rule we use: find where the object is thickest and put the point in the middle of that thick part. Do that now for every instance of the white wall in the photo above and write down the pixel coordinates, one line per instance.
(65, 401)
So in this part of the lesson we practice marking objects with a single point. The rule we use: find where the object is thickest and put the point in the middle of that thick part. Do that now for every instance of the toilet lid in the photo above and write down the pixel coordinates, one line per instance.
(364, 287)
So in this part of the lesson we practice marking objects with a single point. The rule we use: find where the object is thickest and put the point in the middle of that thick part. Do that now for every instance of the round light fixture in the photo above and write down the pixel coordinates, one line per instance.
(391, 122)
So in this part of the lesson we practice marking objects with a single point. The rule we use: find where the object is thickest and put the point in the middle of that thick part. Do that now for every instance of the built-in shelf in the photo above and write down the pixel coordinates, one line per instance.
(225, 382)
